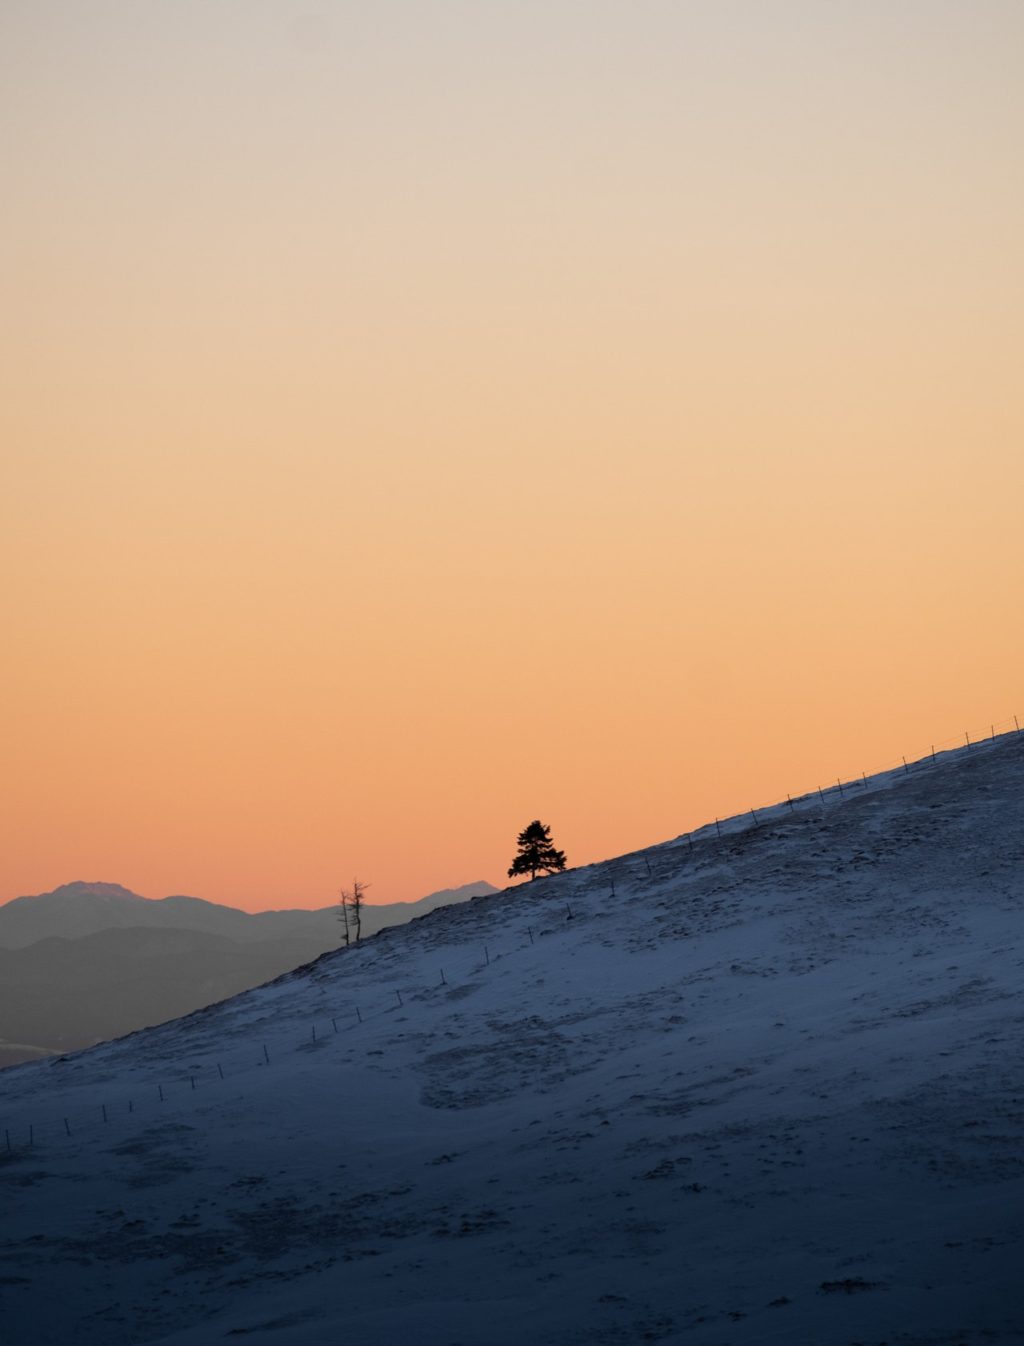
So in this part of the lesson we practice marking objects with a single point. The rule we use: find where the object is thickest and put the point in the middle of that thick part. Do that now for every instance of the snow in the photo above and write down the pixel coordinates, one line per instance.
(770, 1092)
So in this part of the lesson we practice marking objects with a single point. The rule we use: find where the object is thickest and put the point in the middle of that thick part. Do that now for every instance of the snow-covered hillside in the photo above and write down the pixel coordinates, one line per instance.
(771, 1090)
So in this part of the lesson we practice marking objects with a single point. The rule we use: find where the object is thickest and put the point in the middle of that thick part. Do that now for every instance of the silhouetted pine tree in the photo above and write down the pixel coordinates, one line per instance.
(536, 852)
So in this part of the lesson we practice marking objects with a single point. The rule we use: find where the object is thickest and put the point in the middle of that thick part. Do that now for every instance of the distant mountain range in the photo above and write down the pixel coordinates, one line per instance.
(93, 961)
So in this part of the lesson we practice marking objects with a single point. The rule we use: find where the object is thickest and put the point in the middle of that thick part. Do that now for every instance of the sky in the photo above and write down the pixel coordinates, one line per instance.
(420, 418)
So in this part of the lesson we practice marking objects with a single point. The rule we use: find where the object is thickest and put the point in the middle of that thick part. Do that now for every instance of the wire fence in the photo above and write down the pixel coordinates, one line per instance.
(213, 1069)
(179, 1090)
(957, 746)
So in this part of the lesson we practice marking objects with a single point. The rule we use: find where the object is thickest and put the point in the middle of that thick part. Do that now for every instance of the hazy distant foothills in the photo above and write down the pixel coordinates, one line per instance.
(93, 961)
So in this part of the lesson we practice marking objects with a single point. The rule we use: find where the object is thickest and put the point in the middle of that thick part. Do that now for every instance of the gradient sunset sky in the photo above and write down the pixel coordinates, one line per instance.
(422, 417)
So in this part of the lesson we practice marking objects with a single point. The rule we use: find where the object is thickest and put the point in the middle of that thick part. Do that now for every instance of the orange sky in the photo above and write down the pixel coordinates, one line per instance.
(417, 419)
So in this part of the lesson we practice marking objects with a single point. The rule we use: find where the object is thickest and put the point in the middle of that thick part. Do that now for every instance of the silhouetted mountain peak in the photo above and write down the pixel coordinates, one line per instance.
(84, 888)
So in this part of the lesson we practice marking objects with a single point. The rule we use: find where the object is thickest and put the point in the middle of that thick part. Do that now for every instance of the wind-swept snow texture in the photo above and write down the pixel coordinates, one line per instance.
(772, 1091)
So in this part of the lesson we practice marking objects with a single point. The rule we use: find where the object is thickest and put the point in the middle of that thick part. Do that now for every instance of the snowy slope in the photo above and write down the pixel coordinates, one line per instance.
(773, 1091)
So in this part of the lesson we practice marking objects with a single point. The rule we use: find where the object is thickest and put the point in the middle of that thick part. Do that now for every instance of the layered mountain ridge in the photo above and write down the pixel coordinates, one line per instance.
(77, 909)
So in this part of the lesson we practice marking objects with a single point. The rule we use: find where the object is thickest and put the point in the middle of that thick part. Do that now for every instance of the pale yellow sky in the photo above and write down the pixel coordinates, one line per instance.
(418, 418)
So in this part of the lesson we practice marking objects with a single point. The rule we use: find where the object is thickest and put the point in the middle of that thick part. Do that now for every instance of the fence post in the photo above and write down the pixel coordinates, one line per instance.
(266, 1054)
(820, 795)
(399, 994)
(314, 1032)
(753, 814)
(31, 1135)
(487, 956)
(192, 1081)
(358, 1015)
(905, 767)
(160, 1090)
(718, 826)
(967, 738)
(840, 784)
(66, 1127)
(104, 1107)
(1016, 725)
(789, 801)
(220, 1070)
(530, 933)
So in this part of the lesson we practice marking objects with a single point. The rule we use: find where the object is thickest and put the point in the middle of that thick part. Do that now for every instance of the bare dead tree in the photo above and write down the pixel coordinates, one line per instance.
(352, 910)
(343, 909)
